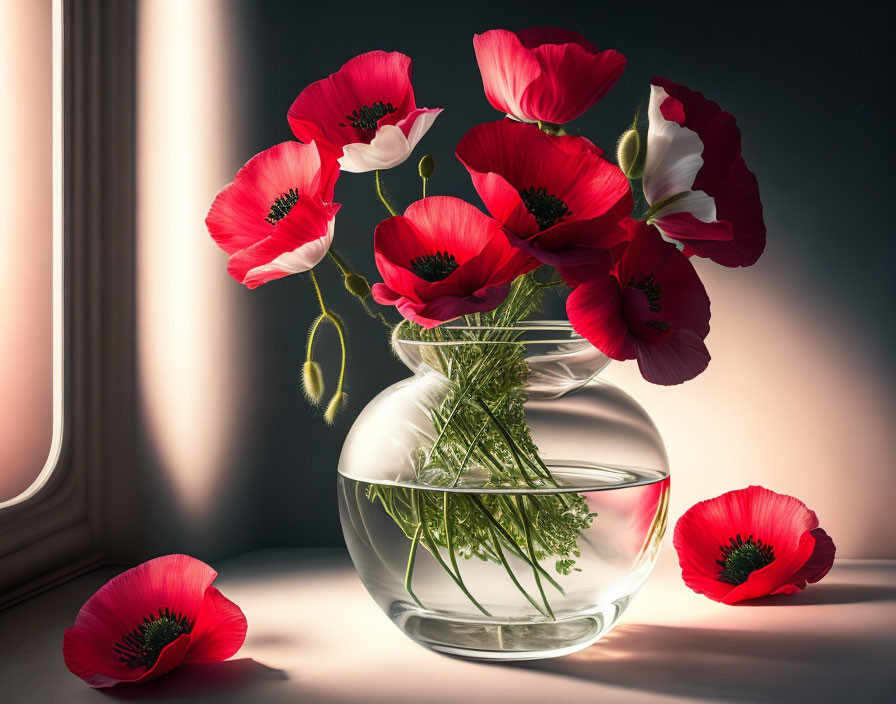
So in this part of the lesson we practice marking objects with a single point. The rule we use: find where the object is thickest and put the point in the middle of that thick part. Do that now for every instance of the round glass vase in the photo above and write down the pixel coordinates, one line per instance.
(503, 502)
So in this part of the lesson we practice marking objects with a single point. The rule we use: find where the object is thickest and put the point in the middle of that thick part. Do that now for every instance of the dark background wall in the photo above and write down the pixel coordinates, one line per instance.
(810, 86)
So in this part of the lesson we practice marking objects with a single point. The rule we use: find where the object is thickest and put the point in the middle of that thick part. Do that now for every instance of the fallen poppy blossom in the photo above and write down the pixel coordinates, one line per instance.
(150, 619)
(750, 543)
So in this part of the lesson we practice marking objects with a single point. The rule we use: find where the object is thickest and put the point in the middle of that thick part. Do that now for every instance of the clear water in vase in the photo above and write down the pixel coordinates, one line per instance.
(473, 577)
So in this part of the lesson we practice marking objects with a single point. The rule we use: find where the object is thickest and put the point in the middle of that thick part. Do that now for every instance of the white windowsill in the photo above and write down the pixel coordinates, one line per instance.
(315, 636)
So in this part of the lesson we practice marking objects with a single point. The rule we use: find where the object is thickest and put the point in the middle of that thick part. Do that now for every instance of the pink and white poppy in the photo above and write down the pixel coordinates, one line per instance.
(701, 194)
(750, 543)
(651, 306)
(365, 113)
(277, 217)
(150, 619)
(544, 74)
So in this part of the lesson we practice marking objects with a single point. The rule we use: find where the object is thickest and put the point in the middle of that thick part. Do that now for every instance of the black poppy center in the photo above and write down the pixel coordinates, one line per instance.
(142, 646)
(740, 558)
(434, 267)
(546, 209)
(367, 116)
(282, 205)
(652, 289)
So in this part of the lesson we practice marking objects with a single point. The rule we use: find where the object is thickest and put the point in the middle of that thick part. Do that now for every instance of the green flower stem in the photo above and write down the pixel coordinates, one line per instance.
(514, 450)
(519, 551)
(447, 527)
(379, 192)
(346, 272)
(409, 573)
(463, 464)
(532, 556)
(500, 554)
(434, 550)
(336, 323)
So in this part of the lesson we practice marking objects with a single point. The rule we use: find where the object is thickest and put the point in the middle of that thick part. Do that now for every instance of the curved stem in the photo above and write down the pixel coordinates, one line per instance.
(311, 333)
(325, 313)
(338, 261)
(379, 192)
(320, 297)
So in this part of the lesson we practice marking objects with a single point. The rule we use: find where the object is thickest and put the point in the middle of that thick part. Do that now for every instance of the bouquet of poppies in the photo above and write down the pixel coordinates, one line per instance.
(558, 214)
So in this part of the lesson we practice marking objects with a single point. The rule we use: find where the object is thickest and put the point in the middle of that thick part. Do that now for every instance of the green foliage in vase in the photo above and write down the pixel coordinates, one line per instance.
(482, 440)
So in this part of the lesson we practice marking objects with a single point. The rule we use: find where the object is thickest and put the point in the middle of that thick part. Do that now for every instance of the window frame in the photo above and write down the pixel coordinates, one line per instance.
(61, 529)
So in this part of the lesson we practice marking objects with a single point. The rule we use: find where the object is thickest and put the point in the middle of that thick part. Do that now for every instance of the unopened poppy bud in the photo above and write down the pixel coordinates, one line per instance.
(313, 381)
(357, 285)
(629, 154)
(336, 404)
(427, 166)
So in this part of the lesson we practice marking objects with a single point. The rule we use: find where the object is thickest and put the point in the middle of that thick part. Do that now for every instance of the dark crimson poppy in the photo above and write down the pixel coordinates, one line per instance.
(277, 217)
(651, 306)
(696, 181)
(559, 199)
(150, 619)
(365, 113)
(750, 543)
(544, 74)
(442, 259)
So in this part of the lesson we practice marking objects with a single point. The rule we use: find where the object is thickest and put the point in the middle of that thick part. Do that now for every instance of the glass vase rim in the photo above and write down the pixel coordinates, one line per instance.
(528, 328)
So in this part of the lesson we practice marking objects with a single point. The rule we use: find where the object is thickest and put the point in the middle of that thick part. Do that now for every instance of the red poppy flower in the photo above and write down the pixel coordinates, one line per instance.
(651, 306)
(443, 259)
(277, 216)
(695, 179)
(150, 619)
(544, 74)
(364, 113)
(557, 197)
(750, 543)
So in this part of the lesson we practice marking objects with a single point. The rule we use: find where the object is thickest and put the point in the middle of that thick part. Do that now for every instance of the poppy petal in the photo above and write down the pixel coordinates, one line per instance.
(674, 153)
(220, 629)
(574, 75)
(821, 560)
(507, 69)
(297, 244)
(595, 311)
(677, 359)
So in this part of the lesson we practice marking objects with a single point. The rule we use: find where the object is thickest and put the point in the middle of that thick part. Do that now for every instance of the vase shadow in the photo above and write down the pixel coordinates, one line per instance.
(819, 594)
(732, 665)
(195, 679)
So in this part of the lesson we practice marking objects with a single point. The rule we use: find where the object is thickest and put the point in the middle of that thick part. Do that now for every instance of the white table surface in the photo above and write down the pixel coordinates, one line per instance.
(315, 636)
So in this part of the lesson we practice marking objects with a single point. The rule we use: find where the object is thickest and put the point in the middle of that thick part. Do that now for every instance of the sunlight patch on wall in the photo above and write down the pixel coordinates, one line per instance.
(786, 404)
(187, 306)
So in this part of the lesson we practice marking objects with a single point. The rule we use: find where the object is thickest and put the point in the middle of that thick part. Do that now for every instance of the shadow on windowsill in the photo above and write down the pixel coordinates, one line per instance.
(195, 679)
(820, 594)
(732, 665)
